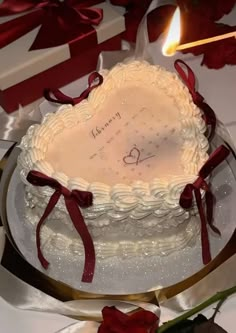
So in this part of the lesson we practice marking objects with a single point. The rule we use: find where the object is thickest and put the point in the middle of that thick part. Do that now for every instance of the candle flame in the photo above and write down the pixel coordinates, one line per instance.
(173, 37)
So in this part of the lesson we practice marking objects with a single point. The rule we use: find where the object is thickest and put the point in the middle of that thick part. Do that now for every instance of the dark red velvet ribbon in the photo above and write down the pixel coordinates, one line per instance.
(186, 198)
(189, 80)
(61, 98)
(73, 200)
(61, 22)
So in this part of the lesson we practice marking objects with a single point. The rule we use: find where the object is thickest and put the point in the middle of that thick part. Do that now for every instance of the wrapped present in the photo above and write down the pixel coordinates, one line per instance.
(51, 45)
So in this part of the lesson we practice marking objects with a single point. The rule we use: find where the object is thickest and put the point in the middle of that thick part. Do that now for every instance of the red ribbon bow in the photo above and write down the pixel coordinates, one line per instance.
(189, 80)
(73, 200)
(61, 22)
(61, 98)
(186, 198)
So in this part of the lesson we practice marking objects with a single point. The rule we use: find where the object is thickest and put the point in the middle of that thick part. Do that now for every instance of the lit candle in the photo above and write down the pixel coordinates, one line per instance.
(172, 42)
(173, 37)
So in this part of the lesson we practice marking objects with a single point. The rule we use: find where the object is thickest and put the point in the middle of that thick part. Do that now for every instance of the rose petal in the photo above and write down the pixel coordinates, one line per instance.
(120, 2)
(158, 21)
(143, 318)
(111, 313)
(212, 9)
(115, 321)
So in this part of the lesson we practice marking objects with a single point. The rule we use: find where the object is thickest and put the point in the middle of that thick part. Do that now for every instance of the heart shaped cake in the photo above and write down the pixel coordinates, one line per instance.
(133, 144)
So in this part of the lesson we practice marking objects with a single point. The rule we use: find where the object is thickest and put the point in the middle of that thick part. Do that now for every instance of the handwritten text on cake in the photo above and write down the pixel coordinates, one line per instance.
(100, 129)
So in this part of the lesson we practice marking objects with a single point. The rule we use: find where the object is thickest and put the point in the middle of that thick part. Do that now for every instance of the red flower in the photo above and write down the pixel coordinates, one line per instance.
(215, 55)
(212, 9)
(134, 14)
(115, 321)
(224, 53)
(159, 20)
(120, 2)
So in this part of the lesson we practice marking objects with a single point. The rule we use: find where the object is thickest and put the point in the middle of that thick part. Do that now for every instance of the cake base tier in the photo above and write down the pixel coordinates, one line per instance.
(132, 275)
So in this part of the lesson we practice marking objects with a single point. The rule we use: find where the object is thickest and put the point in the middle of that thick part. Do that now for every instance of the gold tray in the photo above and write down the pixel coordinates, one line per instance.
(13, 260)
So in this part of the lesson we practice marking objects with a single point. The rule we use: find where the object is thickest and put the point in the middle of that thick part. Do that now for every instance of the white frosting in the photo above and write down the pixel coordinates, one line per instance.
(134, 134)
(152, 201)
(151, 239)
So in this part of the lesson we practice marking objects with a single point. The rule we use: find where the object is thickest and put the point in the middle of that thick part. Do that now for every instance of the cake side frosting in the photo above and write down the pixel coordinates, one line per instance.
(153, 204)
(144, 237)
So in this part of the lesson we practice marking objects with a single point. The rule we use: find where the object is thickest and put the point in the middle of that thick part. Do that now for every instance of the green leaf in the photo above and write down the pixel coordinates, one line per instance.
(220, 297)
(200, 324)
(209, 327)
(188, 326)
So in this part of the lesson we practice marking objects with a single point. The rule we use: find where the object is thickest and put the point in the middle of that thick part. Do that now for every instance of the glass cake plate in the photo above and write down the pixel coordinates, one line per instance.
(124, 275)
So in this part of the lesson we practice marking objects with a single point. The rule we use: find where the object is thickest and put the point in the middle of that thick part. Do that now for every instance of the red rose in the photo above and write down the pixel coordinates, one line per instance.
(159, 20)
(120, 2)
(135, 10)
(212, 9)
(115, 321)
(205, 28)
(225, 54)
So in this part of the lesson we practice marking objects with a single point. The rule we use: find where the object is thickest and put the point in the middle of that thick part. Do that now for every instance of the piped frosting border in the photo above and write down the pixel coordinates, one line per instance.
(139, 199)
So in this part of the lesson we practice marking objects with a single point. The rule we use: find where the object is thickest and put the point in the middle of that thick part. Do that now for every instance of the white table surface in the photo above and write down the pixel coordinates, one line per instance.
(13, 320)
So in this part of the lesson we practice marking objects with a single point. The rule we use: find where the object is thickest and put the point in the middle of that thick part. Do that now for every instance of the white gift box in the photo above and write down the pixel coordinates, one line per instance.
(24, 74)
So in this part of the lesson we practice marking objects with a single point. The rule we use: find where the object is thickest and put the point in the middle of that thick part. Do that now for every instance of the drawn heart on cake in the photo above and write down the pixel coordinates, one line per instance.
(133, 157)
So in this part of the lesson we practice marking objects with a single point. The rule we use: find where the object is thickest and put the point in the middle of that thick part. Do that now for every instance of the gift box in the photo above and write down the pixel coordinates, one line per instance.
(26, 72)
